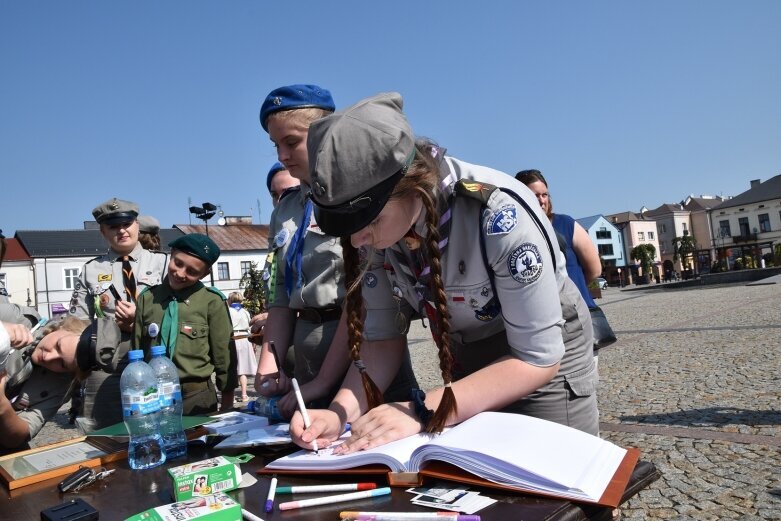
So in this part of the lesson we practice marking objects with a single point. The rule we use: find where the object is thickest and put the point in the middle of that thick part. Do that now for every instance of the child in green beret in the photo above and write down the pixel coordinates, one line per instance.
(193, 322)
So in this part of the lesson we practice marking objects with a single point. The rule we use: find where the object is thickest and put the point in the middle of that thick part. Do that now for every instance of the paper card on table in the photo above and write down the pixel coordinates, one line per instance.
(277, 434)
(235, 421)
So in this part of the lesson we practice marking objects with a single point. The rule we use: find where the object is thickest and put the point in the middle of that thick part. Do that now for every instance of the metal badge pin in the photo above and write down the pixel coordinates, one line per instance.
(484, 291)
(153, 330)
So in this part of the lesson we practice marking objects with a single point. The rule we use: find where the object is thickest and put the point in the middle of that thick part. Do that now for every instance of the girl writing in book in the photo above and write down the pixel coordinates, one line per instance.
(463, 245)
(307, 293)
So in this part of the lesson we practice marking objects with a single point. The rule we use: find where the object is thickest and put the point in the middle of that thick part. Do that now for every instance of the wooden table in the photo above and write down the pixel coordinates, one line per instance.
(127, 492)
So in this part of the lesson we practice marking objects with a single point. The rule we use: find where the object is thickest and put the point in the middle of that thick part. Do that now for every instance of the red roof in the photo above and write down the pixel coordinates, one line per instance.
(233, 237)
(14, 251)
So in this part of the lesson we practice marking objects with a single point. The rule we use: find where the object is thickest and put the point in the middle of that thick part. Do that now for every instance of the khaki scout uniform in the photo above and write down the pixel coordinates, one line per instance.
(38, 395)
(498, 274)
(92, 299)
(203, 345)
(318, 302)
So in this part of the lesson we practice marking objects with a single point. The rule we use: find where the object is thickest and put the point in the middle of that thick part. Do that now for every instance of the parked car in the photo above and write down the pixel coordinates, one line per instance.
(601, 283)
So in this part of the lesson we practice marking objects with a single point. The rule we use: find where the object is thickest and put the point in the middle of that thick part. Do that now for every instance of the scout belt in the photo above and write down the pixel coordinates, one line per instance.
(320, 315)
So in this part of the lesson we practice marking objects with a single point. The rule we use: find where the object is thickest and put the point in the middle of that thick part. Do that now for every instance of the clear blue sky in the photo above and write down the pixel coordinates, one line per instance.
(620, 104)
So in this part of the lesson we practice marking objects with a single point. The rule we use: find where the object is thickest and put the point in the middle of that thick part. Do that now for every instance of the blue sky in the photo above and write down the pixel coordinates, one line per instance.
(620, 104)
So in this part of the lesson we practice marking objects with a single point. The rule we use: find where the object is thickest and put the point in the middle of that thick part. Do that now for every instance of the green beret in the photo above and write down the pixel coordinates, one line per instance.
(197, 245)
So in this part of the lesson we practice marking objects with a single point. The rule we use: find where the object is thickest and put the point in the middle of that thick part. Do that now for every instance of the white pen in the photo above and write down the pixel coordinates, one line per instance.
(304, 414)
(249, 516)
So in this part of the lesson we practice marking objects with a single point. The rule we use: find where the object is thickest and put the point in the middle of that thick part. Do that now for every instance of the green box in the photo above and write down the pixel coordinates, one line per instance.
(203, 478)
(216, 507)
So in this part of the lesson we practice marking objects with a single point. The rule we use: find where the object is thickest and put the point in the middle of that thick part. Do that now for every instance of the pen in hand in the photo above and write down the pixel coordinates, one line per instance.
(304, 413)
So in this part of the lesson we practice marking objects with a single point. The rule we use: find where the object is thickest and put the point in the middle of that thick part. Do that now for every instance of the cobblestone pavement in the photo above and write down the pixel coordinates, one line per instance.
(693, 383)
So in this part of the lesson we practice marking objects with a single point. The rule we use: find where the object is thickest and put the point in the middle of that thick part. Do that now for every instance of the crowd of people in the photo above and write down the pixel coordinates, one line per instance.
(372, 227)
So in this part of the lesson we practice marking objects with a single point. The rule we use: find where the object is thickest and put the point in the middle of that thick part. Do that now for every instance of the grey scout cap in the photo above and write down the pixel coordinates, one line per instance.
(356, 157)
(148, 224)
(115, 211)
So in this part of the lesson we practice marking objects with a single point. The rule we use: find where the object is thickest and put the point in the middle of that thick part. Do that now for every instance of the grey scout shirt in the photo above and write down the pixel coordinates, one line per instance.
(518, 254)
(149, 268)
(321, 262)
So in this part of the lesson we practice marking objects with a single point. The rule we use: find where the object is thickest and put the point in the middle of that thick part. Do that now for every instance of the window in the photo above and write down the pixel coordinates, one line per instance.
(663, 228)
(743, 224)
(70, 276)
(764, 222)
(685, 228)
(604, 234)
(605, 249)
(245, 267)
(650, 236)
(724, 229)
(640, 236)
(223, 273)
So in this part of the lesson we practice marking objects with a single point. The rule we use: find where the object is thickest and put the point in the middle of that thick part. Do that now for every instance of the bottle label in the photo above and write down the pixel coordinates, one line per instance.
(138, 404)
(170, 394)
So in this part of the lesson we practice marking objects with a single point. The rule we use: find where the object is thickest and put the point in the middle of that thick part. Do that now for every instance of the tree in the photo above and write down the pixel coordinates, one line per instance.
(255, 290)
(645, 255)
(684, 248)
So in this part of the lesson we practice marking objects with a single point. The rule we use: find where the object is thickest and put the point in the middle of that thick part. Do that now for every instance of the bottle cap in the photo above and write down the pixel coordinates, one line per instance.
(158, 350)
(134, 355)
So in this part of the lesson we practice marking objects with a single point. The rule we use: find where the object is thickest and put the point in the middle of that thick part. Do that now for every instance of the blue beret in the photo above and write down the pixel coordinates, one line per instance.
(197, 245)
(276, 167)
(295, 97)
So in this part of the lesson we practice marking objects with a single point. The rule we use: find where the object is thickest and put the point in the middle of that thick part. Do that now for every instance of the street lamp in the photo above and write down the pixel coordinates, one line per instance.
(205, 213)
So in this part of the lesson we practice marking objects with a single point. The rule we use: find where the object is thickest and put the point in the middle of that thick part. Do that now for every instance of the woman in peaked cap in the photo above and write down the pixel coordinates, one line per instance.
(464, 245)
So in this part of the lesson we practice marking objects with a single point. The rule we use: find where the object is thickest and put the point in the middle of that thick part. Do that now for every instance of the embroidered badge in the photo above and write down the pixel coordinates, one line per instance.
(104, 277)
(371, 280)
(525, 263)
(280, 239)
(488, 312)
(458, 296)
(502, 221)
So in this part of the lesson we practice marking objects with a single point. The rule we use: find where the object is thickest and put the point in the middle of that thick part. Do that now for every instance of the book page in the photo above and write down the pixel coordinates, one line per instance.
(514, 449)
(394, 455)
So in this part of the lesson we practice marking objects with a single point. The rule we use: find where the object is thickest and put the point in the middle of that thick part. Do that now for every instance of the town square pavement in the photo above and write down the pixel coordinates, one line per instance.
(693, 382)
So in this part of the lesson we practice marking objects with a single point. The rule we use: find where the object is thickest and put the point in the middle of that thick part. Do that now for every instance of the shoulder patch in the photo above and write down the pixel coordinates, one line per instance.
(281, 238)
(525, 263)
(502, 220)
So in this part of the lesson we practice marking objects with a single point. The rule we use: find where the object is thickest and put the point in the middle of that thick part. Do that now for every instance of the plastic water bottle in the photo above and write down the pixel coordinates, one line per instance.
(141, 411)
(266, 406)
(174, 440)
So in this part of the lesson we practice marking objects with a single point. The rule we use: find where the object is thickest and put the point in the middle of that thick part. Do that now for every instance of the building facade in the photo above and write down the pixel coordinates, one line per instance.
(610, 245)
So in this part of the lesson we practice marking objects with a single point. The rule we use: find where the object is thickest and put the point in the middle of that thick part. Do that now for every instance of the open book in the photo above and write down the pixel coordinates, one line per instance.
(510, 451)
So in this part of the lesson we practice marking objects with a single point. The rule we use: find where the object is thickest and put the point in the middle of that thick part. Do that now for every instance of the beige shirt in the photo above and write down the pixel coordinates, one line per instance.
(321, 263)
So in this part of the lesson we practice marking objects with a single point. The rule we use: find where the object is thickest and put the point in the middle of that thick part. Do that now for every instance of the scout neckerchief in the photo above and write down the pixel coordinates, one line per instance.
(296, 249)
(128, 279)
(169, 329)
(412, 262)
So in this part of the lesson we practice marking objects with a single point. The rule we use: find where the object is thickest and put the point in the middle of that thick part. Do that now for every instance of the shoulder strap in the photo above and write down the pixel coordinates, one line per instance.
(217, 292)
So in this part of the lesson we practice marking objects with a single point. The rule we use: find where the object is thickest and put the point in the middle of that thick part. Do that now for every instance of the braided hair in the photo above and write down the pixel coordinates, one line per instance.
(421, 180)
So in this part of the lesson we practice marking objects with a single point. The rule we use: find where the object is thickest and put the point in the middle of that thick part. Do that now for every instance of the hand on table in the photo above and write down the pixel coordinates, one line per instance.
(272, 384)
(326, 427)
(383, 424)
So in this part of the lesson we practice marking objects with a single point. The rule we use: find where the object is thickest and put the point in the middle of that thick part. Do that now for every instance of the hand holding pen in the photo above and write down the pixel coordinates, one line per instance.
(304, 412)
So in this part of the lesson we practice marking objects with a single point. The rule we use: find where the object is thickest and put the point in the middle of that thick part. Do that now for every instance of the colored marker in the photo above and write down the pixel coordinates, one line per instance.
(272, 489)
(407, 516)
(341, 487)
(327, 500)
(249, 516)
(304, 413)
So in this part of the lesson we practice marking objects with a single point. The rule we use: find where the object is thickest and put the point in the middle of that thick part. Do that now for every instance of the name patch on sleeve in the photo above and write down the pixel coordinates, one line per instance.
(525, 263)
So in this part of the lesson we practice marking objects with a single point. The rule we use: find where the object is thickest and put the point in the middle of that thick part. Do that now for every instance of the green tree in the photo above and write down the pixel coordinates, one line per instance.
(255, 290)
(645, 255)
(684, 248)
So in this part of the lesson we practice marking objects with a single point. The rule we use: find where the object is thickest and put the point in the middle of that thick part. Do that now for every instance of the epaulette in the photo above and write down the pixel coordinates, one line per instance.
(474, 190)
(217, 292)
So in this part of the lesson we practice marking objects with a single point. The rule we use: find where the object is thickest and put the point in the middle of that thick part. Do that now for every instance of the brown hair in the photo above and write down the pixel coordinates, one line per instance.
(528, 177)
(71, 324)
(421, 179)
(234, 297)
(149, 241)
